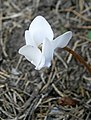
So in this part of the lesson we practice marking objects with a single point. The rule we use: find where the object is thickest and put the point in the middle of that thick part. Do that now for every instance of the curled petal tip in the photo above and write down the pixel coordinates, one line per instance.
(20, 51)
(70, 32)
(62, 40)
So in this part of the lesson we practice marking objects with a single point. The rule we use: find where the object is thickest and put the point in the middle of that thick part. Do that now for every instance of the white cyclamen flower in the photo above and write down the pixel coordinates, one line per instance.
(40, 34)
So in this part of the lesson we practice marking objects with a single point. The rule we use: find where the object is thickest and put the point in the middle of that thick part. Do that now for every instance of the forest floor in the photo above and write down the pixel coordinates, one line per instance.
(61, 92)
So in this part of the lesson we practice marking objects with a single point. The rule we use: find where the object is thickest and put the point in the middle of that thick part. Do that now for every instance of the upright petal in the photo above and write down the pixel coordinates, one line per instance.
(47, 51)
(41, 64)
(29, 40)
(62, 40)
(32, 54)
(40, 29)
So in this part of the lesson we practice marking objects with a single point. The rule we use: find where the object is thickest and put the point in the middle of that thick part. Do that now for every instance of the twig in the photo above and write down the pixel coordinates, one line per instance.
(59, 57)
(56, 89)
(76, 13)
(87, 78)
(70, 56)
(19, 61)
(78, 27)
(14, 5)
(79, 58)
(12, 16)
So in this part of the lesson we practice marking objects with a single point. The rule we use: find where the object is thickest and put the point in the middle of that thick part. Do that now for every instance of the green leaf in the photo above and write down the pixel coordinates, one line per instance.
(89, 35)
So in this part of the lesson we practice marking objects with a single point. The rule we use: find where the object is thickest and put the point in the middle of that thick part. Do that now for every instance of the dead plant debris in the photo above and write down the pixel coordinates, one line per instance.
(27, 94)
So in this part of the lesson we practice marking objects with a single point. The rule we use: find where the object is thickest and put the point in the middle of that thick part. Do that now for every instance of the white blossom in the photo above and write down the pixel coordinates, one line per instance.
(40, 45)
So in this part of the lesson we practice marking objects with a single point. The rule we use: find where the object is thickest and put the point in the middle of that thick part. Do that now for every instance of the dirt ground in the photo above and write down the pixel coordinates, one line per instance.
(61, 92)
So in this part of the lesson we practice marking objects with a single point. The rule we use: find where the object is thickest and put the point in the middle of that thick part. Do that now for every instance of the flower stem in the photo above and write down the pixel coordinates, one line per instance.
(78, 58)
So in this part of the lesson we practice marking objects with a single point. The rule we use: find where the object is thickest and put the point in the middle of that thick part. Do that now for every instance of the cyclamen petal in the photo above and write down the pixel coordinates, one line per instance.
(40, 29)
(41, 64)
(47, 51)
(28, 38)
(62, 40)
(32, 54)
